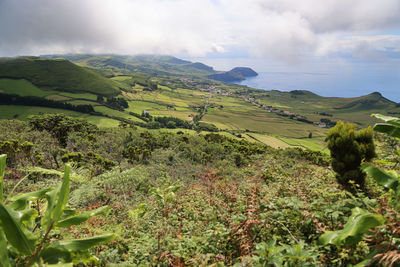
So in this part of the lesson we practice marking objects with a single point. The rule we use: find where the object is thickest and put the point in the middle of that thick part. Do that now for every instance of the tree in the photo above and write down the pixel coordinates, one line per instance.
(154, 125)
(171, 125)
(60, 126)
(348, 150)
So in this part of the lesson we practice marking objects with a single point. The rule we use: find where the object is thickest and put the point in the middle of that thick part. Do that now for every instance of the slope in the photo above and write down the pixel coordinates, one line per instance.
(57, 74)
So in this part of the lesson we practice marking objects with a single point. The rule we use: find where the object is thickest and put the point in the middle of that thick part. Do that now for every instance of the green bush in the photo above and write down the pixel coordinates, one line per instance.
(28, 231)
(383, 241)
(348, 150)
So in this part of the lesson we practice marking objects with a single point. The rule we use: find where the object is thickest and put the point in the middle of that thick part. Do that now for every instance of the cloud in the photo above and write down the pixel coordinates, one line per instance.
(371, 48)
(289, 30)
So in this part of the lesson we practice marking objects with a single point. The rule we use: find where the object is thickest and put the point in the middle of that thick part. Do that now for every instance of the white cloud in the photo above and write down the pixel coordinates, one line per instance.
(285, 29)
(377, 47)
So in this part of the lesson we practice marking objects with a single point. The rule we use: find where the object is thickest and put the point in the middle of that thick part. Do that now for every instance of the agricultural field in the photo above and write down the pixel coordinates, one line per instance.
(315, 144)
(268, 140)
(23, 112)
(21, 87)
(87, 96)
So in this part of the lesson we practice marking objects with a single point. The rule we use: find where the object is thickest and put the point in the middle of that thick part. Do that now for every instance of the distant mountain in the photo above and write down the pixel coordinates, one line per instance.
(246, 72)
(234, 75)
(227, 76)
(57, 74)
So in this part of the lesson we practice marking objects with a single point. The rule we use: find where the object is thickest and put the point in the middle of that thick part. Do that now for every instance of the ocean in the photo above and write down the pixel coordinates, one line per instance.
(330, 78)
(327, 84)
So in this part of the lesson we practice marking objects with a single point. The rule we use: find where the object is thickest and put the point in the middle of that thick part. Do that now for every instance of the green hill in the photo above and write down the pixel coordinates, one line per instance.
(371, 101)
(235, 74)
(148, 64)
(58, 75)
(227, 76)
(246, 72)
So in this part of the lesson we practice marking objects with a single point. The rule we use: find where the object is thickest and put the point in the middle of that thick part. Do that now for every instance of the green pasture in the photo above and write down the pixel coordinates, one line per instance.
(316, 144)
(23, 112)
(82, 102)
(139, 106)
(57, 97)
(116, 113)
(184, 115)
(21, 87)
(262, 122)
(87, 96)
(121, 78)
(268, 140)
(102, 122)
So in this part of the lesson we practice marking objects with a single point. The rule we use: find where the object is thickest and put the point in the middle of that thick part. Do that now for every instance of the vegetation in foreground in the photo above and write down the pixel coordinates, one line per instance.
(181, 199)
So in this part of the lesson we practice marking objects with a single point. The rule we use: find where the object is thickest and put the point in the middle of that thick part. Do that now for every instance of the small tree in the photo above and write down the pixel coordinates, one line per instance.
(348, 150)
(171, 124)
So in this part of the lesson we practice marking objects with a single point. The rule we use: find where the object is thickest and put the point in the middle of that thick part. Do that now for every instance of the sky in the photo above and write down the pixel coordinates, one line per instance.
(286, 35)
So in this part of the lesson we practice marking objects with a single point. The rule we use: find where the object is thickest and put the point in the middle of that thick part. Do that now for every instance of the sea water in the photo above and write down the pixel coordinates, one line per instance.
(328, 84)
(325, 77)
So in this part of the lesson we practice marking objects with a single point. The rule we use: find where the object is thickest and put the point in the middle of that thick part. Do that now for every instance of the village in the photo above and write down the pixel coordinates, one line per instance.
(213, 89)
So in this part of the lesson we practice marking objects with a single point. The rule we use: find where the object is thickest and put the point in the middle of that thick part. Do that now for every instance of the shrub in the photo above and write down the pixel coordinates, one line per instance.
(348, 149)
(28, 229)
(16, 150)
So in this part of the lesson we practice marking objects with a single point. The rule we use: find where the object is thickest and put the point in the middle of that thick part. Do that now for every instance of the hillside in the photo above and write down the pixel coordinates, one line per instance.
(246, 72)
(57, 74)
(227, 76)
(234, 75)
(372, 101)
(149, 64)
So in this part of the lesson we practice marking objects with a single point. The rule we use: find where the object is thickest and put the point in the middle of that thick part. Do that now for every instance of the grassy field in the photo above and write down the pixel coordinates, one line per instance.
(261, 122)
(316, 144)
(23, 112)
(116, 113)
(80, 95)
(139, 106)
(268, 140)
(21, 87)
(57, 97)
(82, 102)
(103, 122)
